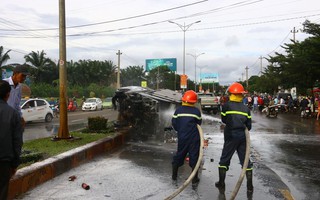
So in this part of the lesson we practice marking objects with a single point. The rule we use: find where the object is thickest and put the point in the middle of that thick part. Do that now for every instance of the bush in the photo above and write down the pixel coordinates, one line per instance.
(97, 123)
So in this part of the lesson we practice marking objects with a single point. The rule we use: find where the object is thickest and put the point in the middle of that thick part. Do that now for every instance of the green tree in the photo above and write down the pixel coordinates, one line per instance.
(132, 76)
(85, 72)
(299, 66)
(44, 69)
(4, 56)
(161, 76)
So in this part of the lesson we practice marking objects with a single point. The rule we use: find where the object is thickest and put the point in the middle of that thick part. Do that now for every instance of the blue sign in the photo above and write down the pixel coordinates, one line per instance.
(209, 77)
(154, 63)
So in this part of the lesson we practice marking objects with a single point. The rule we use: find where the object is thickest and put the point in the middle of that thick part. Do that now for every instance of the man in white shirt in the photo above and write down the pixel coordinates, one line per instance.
(20, 73)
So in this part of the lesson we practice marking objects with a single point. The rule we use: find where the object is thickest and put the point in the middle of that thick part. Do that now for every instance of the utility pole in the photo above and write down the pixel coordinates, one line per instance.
(118, 73)
(63, 132)
(200, 77)
(260, 65)
(158, 77)
(247, 82)
(294, 31)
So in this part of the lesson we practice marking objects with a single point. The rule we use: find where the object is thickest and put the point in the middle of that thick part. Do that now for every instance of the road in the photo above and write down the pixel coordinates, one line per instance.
(76, 120)
(285, 152)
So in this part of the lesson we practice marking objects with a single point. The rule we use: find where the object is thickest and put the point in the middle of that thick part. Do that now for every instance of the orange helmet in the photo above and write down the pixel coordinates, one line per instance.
(190, 96)
(236, 88)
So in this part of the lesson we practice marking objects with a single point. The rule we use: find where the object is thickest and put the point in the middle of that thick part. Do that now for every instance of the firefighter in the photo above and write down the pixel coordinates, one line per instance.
(184, 121)
(237, 118)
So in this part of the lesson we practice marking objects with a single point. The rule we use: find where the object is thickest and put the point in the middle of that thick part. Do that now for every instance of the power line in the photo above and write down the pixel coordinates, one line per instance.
(111, 21)
(98, 33)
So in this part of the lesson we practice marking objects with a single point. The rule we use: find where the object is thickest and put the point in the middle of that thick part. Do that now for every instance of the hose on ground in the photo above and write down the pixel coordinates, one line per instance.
(244, 167)
(186, 183)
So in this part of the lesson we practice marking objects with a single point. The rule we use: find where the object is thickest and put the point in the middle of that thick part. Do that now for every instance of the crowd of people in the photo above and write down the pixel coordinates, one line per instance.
(306, 106)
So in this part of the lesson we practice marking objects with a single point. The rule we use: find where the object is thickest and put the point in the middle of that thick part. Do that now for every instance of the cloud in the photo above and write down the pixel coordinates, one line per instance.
(232, 37)
(232, 41)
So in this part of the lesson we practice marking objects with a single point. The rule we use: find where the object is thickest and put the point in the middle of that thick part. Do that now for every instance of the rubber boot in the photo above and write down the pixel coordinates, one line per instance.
(249, 181)
(195, 179)
(222, 176)
(174, 172)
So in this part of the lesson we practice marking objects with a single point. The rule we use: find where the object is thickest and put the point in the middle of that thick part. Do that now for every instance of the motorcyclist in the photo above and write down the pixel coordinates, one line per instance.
(237, 118)
(303, 105)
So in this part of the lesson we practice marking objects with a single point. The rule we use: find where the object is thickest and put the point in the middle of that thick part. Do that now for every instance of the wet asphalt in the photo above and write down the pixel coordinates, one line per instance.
(285, 152)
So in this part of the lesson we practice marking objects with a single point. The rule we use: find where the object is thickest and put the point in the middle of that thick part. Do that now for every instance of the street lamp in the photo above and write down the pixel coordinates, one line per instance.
(195, 56)
(184, 28)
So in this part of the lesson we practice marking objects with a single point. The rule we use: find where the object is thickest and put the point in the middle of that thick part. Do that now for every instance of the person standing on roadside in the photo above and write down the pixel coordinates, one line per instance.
(237, 118)
(184, 121)
(20, 73)
(10, 139)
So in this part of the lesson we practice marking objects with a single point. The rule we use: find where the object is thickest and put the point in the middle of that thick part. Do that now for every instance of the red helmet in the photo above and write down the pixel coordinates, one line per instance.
(190, 96)
(236, 88)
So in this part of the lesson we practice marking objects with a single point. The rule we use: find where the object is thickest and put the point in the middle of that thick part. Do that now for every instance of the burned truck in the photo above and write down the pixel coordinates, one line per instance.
(147, 112)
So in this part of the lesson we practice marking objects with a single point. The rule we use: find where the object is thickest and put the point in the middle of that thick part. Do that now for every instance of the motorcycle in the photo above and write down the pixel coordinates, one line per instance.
(72, 106)
(306, 112)
(55, 109)
(271, 111)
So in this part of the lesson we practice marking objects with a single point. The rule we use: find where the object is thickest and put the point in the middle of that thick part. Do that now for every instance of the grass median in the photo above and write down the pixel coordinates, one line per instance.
(40, 149)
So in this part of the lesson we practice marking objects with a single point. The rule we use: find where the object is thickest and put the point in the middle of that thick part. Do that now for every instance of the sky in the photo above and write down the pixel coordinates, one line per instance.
(232, 34)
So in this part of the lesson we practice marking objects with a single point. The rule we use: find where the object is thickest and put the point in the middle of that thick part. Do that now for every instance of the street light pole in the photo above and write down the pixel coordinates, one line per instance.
(195, 56)
(184, 28)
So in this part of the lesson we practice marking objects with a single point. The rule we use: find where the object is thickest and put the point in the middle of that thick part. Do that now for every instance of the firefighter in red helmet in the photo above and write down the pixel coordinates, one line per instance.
(184, 121)
(237, 118)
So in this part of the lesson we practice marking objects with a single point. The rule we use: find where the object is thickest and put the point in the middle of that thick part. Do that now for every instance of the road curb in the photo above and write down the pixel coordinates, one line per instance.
(29, 177)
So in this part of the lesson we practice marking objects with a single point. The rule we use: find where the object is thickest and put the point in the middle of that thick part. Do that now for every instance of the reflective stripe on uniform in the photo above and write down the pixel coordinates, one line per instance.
(224, 167)
(187, 115)
(235, 112)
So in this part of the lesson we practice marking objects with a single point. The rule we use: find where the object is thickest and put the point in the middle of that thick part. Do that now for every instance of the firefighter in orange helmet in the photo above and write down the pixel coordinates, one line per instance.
(184, 121)
(237, 118)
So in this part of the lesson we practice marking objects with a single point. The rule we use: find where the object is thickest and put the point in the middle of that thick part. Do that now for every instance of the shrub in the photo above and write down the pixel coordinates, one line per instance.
(97, 123)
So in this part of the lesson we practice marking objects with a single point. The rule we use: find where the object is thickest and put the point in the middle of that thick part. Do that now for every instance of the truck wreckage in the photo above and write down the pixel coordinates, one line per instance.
(148, 112)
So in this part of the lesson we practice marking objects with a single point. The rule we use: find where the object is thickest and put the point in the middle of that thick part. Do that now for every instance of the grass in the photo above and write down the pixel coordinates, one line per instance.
(48, 148)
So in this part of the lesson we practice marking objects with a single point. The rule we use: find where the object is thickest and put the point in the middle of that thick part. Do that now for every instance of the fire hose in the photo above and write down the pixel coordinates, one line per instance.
(244, 167)
(186, 183)
(241, 177)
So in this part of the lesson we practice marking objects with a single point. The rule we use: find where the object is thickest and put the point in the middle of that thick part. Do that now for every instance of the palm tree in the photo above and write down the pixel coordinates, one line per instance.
(4, 57)
(45, 69)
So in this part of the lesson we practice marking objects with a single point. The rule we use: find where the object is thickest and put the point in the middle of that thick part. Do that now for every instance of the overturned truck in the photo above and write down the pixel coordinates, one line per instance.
(147, 111)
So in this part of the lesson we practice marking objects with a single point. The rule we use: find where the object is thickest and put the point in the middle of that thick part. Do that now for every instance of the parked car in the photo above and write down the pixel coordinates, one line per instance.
(107, 102)
(36, 109)
(92, 104)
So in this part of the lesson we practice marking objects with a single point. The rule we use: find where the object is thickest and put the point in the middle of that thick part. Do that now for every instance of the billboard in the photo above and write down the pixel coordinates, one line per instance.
(209, 77)
(154, 63)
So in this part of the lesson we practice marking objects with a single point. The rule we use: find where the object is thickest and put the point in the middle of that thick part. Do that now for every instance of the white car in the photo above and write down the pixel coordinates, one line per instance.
(36, 109)
(92, 104)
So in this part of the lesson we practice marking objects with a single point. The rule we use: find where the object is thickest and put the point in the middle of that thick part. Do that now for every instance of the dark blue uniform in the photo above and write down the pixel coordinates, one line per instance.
(184, 121)
(237, 117)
